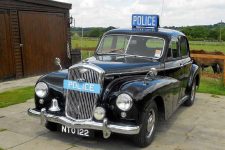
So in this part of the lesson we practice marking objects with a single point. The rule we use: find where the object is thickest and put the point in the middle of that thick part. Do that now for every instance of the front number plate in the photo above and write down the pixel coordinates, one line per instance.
(82, 86)
(80, 132)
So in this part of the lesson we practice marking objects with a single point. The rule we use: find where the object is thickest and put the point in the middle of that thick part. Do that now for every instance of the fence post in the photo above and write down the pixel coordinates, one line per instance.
(224, 71)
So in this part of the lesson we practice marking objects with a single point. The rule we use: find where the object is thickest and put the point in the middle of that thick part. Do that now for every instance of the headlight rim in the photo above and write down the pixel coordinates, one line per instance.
(132, 102)
(47, 91)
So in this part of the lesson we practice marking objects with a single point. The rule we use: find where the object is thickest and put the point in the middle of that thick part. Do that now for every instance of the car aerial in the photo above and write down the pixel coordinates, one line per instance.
(135, 77)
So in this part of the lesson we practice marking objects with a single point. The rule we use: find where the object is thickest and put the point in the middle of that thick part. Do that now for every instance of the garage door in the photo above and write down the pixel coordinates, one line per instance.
(6, 57)
(43, 37)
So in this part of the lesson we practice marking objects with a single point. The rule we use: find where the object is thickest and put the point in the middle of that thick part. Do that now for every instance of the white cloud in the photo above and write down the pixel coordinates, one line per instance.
(94, 13)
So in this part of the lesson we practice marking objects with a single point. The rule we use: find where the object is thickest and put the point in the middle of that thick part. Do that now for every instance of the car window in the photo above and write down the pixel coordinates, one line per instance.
(183, 47)
(114, 44)
(173, 51)
(147, 46)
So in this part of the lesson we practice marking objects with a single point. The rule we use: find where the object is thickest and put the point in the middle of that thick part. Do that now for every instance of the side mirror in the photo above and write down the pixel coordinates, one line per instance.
(58, 63)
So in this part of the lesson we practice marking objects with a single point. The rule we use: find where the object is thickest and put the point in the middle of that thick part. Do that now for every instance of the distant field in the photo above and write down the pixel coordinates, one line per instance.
(85, 42)
(194, 45)
(208, 46)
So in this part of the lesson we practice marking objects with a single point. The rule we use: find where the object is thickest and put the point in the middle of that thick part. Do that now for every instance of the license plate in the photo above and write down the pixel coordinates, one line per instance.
(80, 132)
(82, 86)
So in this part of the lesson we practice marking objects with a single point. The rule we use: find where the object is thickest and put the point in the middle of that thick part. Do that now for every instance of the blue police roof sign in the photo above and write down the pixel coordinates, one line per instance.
(140, 20)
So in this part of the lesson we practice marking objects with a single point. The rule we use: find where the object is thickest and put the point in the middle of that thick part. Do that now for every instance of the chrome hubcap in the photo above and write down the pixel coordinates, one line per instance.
(151, 123)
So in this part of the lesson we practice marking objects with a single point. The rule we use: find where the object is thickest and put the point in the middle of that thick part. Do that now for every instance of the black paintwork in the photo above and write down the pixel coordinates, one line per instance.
(127, 74)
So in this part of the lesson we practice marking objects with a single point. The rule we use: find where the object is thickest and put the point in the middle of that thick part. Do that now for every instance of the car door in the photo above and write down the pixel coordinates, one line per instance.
(186, 63)
(174, 69)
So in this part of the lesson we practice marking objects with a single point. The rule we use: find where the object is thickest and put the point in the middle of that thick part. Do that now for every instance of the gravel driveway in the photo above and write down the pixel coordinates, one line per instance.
(201, 126)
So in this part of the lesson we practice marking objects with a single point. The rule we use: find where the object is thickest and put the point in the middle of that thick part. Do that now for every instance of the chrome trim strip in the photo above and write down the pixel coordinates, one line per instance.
(104, 126)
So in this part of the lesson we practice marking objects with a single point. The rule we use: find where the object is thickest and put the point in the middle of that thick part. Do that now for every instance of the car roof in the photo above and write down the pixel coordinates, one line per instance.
(161, 32)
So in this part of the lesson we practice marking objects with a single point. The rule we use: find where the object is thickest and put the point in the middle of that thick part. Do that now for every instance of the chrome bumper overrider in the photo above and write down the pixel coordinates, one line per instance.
(104, 126)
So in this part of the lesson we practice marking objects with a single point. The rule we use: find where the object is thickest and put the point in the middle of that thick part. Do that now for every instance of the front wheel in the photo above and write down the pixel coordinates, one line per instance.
(149, 123)
(191, 98)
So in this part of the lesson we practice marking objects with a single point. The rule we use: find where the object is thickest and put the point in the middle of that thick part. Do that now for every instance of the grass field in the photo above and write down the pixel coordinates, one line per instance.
(211, 86)
(207, 46)
(194, 45)
(85, 42)
(16, 96)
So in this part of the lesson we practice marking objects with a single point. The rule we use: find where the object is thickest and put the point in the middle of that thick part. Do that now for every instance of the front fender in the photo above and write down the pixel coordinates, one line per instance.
(142, 91)
(54, 81)
(138, 87)
(152, 87)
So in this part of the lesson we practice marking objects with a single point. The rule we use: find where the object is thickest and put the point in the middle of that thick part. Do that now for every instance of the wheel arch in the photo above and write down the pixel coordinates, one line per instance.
(159, 101)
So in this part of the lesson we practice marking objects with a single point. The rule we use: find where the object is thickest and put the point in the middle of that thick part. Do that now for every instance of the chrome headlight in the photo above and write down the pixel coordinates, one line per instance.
(124, 102)
(41, 89)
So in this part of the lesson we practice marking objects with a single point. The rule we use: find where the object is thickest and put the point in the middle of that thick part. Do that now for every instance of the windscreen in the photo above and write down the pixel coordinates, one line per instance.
(147, 46)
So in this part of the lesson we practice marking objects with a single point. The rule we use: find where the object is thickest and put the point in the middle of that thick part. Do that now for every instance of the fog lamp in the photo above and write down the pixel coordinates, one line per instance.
(99, 113)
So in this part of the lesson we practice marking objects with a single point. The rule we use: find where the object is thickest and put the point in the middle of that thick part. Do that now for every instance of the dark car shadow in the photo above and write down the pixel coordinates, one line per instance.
(116, 141)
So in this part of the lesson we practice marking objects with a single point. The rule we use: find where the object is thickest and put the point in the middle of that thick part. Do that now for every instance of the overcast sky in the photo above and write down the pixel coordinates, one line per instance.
(104, 13)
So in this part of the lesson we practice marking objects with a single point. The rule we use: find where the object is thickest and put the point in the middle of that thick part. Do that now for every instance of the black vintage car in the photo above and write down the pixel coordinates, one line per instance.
(135, 77)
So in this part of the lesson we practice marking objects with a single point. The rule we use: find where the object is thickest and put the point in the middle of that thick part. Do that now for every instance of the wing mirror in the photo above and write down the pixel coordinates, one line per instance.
(58, 63)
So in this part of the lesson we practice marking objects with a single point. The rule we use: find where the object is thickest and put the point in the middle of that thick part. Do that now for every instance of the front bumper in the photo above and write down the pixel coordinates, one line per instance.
(106, 127)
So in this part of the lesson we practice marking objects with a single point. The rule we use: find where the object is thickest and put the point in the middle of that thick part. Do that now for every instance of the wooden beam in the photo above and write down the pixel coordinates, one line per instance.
(224, 72)
(208, 56)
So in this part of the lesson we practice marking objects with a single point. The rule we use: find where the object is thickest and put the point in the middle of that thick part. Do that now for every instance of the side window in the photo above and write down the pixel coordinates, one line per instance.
(183, 47)
(173, 51)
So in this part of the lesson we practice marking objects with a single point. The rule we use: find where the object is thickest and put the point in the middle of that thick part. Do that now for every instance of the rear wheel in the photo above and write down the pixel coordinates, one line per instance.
(51, 126)
(149, 123)
(191, 98)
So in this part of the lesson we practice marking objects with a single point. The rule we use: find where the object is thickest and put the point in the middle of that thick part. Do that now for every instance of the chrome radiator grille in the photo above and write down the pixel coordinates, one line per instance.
(80, 105)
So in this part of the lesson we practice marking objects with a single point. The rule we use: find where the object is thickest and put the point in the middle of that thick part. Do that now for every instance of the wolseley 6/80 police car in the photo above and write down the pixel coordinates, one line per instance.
(136, 76)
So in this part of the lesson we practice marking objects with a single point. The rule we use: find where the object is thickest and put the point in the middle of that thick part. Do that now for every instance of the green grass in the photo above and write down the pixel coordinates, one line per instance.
(16, 96)
(86, 54)
(207, 46)
(85, 42)
(212, 86)
(1, 129)
(1, 148)
(194, 45)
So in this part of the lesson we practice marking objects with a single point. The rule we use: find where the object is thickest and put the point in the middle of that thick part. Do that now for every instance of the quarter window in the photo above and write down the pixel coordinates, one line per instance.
(183, 47)
(173, 51)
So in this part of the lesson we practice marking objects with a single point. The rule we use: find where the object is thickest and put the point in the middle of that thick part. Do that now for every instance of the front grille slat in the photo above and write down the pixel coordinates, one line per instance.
(80, 105)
